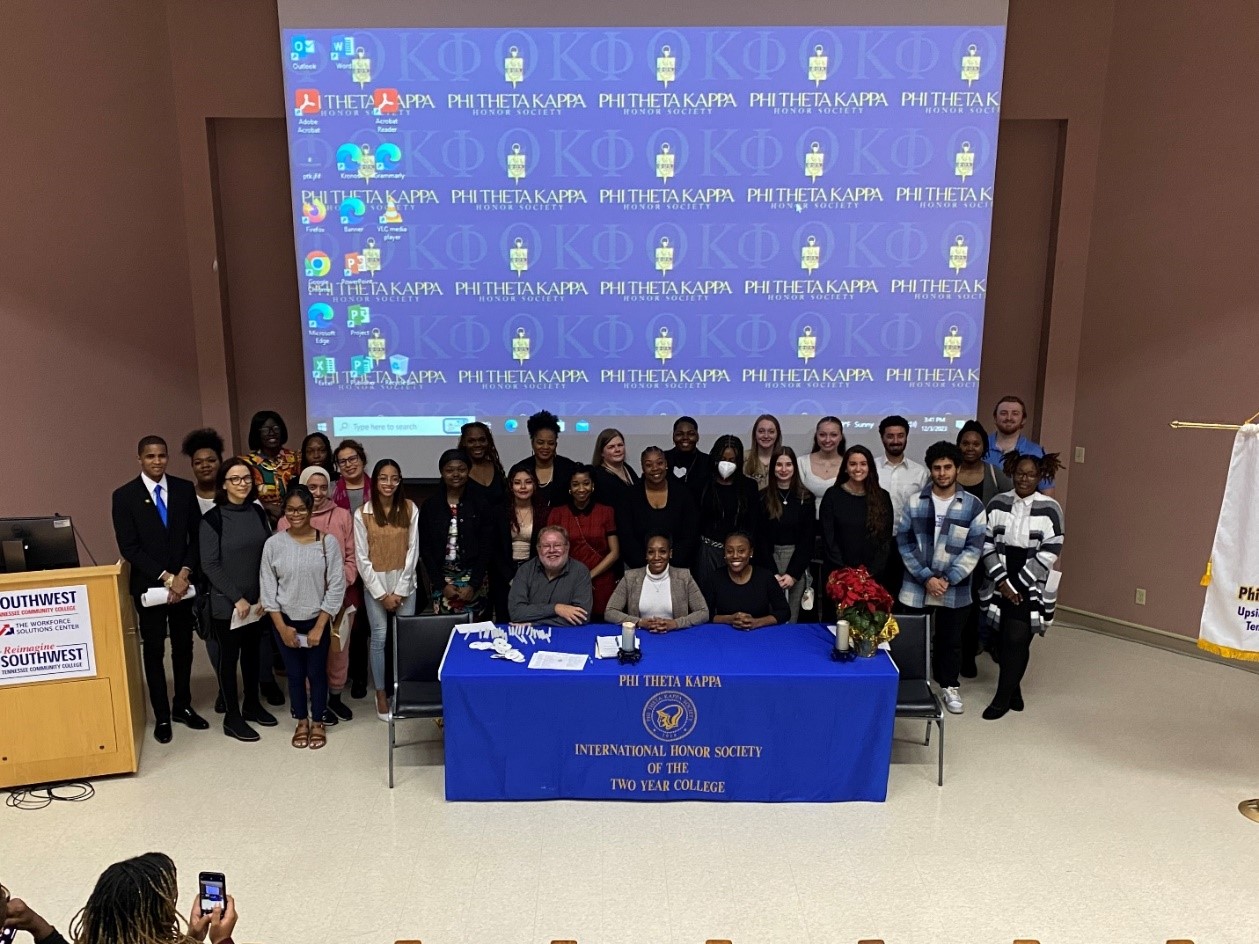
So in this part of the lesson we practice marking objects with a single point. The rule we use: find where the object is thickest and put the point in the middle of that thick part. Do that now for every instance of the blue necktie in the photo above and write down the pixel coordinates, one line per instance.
(161, 505)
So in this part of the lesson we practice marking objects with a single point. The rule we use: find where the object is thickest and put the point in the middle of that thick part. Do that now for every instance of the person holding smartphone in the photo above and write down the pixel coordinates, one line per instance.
(137, 900)
(16, 915)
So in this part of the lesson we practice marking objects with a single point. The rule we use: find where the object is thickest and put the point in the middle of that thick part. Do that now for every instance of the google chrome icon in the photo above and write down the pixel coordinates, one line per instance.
(317, 264)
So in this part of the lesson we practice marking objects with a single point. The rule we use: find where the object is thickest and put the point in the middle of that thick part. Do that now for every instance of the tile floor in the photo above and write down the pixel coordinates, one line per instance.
(1104, 814)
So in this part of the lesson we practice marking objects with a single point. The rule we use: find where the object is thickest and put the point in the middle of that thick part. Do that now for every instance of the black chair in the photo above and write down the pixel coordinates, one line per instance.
(915, 698)
(419, 642)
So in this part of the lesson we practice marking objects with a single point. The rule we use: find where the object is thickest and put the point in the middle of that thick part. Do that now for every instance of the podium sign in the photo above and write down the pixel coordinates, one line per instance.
(45, 634)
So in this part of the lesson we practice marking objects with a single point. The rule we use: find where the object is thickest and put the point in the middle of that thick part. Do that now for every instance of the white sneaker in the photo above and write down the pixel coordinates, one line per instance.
(952, 700)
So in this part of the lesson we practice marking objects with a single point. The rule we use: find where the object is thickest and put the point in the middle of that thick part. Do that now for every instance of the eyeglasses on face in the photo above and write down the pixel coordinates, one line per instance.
(238, 479)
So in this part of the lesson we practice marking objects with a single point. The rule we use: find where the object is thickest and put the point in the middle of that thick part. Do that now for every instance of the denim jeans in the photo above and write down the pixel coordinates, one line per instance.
(378, 619)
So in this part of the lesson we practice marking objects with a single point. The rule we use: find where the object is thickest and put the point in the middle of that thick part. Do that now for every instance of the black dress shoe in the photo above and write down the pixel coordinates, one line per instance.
(341, 709)
(329, 718)
(272, 694)
(259, 715)
(358, 690)
(220, 706)
(237, 728)
(994, 711)
(162, 732)
(191, 719)
(1016, 700)
(969, 670)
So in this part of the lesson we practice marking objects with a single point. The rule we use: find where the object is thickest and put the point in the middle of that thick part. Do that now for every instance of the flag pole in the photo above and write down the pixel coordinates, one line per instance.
(1247, 808)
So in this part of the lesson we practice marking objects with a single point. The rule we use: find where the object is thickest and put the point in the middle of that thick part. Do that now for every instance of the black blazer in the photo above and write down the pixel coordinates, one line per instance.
(147, 546)
(478, 540)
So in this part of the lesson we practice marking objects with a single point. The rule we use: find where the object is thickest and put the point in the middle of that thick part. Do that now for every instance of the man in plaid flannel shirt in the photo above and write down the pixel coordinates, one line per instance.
(941, 536)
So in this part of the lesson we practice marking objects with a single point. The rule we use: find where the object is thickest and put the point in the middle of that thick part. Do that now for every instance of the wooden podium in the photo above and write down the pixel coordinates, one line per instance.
(74, 729)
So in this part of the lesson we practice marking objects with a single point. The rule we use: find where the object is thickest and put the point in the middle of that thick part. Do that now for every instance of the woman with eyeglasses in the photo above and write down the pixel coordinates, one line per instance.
(303, 586)
(233, 535)
(386, 540)
(1024, 539)
(274, 465)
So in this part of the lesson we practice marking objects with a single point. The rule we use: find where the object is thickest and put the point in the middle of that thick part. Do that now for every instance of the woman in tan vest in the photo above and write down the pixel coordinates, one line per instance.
(386, 543)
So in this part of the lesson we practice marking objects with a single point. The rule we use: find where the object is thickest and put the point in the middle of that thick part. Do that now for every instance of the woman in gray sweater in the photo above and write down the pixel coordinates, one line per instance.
(303, 586)
(233, 533)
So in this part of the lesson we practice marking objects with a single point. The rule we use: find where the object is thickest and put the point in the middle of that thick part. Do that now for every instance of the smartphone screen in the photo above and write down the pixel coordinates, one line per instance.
(213, 891)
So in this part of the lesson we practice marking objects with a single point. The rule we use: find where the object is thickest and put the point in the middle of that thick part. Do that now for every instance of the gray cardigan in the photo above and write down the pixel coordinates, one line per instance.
(689, 607)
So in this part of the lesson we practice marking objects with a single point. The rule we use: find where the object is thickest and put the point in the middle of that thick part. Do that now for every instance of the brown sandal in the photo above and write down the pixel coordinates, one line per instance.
(318, 736)
(301, 737)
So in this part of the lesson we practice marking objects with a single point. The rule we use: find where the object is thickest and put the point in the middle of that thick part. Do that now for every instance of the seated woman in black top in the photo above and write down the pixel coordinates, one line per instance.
(457, 541)
(550, 470)
(731, 502)
(741, 595)
(856, 518)
(788, 523)
(658, 504)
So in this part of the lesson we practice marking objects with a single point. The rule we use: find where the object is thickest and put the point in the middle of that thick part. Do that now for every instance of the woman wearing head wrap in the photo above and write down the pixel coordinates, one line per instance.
(457, 540)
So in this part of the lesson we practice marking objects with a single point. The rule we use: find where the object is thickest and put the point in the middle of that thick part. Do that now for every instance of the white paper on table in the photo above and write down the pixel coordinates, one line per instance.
(157, 596)
(607, 647)
(468, 629)
(254, 614)
(567, 661)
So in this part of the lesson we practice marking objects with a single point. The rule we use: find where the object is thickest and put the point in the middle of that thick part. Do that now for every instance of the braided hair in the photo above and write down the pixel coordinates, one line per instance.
(133, 903)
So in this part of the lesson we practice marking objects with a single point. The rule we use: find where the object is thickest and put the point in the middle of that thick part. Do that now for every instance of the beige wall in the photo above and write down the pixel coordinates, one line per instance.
(97, 342)
(1171, 308)
(1116, 304)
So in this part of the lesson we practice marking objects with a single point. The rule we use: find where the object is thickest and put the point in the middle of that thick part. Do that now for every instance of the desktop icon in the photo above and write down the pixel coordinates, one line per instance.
(317, 264)
(322, 367)
(342, 48)
(301, 47)
(361, 365)
(314, 211)
(386, 101)
(357, 315)
(582, 426)
(320, 311)
(352, 211)
(306, 101)
(398, 364)
(511, 425)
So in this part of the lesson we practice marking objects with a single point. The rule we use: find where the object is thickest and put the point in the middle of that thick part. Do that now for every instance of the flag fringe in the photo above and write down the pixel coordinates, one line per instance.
(1228, 652)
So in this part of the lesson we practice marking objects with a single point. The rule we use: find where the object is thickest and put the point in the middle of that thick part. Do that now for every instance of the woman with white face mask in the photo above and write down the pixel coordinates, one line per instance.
(730, 502)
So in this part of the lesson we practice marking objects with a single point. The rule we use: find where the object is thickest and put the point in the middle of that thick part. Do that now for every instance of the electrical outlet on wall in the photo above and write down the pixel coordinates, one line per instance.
(1079, 454)
(1140, 596)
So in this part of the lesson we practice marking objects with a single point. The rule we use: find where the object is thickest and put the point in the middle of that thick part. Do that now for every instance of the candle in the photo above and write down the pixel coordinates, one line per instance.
(627, 637)
(841, 636)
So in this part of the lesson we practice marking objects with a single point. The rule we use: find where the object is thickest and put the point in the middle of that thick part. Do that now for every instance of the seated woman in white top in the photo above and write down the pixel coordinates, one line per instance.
(658, 597)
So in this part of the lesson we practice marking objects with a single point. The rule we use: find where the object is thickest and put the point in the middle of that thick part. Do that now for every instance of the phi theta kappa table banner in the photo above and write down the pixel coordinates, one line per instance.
(710, 713)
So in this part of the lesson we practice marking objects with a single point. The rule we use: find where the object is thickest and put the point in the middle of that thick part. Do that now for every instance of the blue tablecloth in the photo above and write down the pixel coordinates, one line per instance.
(710, 713)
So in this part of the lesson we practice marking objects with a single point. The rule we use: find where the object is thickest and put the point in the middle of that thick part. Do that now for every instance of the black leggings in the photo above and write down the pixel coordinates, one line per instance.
(242, 644)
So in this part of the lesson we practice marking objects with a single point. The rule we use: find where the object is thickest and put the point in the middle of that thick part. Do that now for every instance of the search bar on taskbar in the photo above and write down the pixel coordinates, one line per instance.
(399, 425)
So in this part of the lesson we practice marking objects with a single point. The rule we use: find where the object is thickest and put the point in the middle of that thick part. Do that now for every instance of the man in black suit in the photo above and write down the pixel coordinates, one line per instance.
(156, 522)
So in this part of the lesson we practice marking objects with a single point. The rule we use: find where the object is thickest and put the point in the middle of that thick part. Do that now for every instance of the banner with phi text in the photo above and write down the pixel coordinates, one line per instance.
(1230, 616)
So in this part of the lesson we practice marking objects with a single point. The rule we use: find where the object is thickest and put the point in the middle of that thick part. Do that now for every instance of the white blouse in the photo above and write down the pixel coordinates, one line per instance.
(813, 483)
(656, 598)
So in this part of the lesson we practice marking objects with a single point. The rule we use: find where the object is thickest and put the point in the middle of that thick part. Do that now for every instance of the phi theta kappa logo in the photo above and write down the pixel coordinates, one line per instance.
(669, 716)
